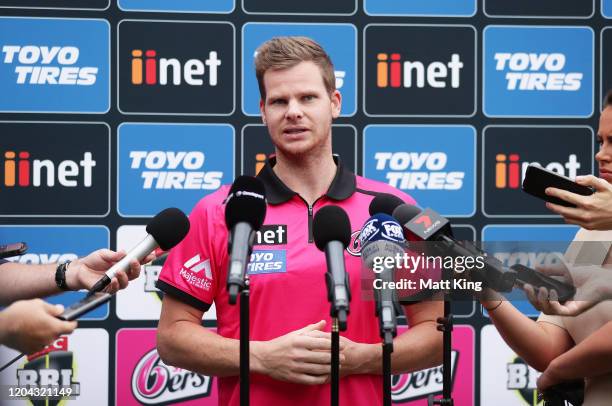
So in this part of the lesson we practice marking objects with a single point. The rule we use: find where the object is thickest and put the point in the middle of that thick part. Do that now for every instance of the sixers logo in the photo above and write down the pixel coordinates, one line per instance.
(354, 247)
(155, 383)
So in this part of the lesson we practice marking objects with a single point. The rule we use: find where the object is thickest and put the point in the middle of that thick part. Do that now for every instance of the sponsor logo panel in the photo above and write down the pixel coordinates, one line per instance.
(143, 378)
(414, 388)
(47, 245)
(163, 165)
(58, 4)
(338, 7)
(431, 163)
(51, 169)
(540, 8)
(538, 71)
(506, 379)
(78, 361)
(606, 8)
(338, 40)
(257, 146)
(54, 65)
(405, 76)
(141, 300)
(454, 8)
(508, 150)
(533, 246)
(160, 72)
(180, 6)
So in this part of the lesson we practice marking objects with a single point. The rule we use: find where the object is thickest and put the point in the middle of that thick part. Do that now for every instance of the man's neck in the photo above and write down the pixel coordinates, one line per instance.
(309, 177)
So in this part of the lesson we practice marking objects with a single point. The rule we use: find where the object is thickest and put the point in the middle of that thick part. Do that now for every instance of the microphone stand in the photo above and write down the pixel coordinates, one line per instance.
(445, 325)
(339, 314)
(387, 308)
(244, 343)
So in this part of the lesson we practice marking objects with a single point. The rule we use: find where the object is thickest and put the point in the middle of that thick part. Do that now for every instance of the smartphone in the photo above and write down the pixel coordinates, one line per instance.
(537, 179)
(87, 304)
(12, 250)
(565, 291)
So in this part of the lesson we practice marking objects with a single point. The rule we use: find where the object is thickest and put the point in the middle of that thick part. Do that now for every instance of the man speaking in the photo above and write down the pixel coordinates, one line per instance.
(290, 356)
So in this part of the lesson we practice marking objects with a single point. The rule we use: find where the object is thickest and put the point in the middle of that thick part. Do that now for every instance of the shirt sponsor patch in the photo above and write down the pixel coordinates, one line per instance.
(267, 261)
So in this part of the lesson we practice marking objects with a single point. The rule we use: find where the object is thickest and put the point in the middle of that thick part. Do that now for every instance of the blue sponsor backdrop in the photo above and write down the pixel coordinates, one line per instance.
(179, 6)
(606, 8)
(164, 165)
(456, 8)
(531, 83)
(339, 40)
(54, 80)
(434, 164)
(49, 244)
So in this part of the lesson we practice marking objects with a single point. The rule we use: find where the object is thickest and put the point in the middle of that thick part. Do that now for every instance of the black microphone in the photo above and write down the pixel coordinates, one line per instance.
(165, 230)
(382, 237)
(430, 226)
(245, 211)
(332, 234)
(384, 203)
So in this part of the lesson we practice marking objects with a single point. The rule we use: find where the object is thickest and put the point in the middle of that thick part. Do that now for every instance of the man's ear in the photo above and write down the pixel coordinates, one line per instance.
(262, 110)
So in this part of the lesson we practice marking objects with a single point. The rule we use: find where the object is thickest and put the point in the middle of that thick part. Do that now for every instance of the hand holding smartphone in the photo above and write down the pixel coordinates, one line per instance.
(537, 179)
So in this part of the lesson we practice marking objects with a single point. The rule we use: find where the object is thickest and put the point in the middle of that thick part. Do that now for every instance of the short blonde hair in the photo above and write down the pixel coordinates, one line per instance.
(286, 52)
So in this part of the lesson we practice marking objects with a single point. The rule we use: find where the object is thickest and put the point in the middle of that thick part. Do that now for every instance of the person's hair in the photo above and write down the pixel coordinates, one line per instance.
(608, 99)
(286, 52)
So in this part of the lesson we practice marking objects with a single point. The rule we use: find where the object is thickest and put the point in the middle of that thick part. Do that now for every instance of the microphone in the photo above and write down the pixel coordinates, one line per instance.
(384, 203)
(165, 230)
(245, 211)
(332, 234)
(430, 226)
(382, 237)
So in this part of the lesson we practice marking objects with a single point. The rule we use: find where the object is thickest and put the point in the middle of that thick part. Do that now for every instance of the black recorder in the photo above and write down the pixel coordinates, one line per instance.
(537, 179)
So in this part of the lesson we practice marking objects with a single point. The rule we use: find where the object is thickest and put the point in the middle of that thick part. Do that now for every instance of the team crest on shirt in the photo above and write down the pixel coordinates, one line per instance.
(197, 272)
(354, 247)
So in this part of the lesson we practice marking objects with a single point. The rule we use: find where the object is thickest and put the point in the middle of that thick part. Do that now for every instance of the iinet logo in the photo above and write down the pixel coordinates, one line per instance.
(43, 65)
(391, 72)
(538, 72)
(21, 171)
(510, 172)
(153, 71)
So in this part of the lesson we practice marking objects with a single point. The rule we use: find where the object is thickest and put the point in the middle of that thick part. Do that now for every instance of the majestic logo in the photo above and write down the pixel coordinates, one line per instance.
(53, 366)
(163, 170)
(155, 383)
(509, 172)
(191, 269)
(44, 65)
(194, 72)
(537, 72)
(25, 172)
(418, 170)
(436, 74)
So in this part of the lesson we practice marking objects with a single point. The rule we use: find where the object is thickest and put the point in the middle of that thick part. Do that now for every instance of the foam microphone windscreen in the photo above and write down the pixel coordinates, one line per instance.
(384, 203)
(246, 202)
(405, 212)
(168, 227)
(331, 223)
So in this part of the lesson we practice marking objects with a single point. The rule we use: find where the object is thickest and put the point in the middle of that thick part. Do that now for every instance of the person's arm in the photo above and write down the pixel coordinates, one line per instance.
(538, 343)
(418, 348)
(301, 356)
(23, 281)
(592, 212)
(29, 325)
(591, 357)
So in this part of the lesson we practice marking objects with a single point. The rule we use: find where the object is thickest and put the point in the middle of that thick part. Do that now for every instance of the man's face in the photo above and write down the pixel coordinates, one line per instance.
(604, 138)
(298, 110)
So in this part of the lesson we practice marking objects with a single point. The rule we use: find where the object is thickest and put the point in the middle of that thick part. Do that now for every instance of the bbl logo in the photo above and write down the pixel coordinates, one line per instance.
(339, 40)
(538, 71)
(52, 169)
(451, 8)
(540, 8)
(52, 65)
(431, 163)
(161, 72)
(179, 6)
(507, 151)
(257, 146)
(163, 165)
(58, 4)
(406, 76)
(322, 7)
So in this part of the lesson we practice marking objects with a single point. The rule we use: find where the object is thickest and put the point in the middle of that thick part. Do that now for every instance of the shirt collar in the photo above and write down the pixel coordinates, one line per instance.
(342, 187)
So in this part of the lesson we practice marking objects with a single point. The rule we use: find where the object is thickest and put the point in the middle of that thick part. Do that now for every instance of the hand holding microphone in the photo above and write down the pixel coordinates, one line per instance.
(165, 230)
